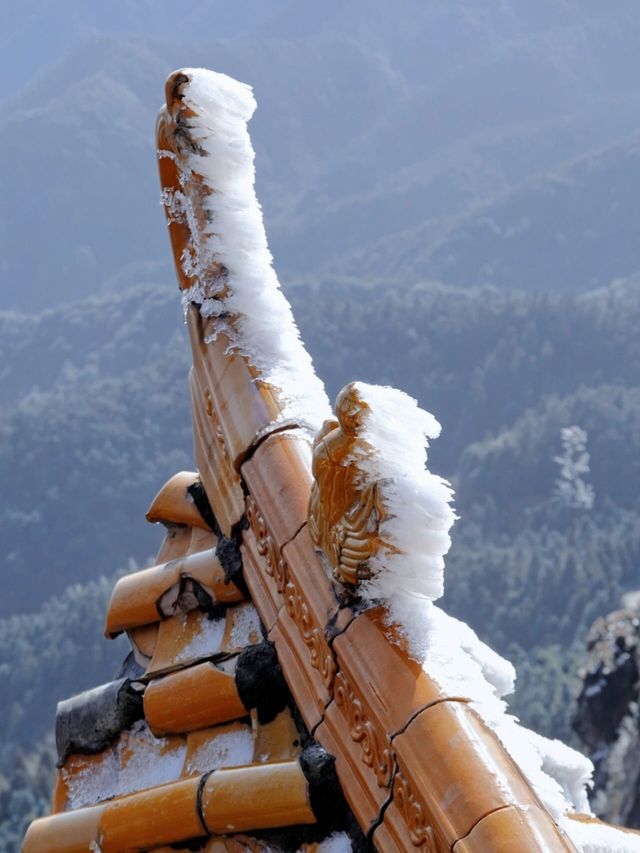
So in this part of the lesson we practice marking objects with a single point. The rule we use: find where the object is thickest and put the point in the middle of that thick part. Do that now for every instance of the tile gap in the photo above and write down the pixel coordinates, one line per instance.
(480, 819)
(291, 538)
(417, 713)
(262, 437)
(383, 807)
(331, 638)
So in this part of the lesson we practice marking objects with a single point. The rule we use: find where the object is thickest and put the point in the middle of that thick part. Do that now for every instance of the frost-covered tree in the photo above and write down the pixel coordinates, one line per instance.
(572, 489)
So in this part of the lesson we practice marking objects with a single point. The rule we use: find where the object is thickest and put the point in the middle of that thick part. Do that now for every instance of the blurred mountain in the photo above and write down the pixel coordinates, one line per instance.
(408, 141)
(571, 229)
(38, 33)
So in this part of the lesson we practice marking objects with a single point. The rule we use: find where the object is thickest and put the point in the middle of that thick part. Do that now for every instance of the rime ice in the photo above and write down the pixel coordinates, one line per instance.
(263, 328)
(408, 576)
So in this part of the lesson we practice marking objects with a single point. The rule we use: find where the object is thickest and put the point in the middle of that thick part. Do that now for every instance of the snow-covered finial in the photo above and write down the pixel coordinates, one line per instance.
(380, 517)
(224, 266)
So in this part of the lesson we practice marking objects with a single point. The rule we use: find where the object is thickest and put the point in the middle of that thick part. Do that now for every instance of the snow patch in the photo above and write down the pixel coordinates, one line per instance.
(93, 784)
(247, 300)
(152, 761)
(205, 642)
(408, 577)
(418, 514)
(600, 838)
(339, 842)
(245, 629)
(227, 749)
(137, 761)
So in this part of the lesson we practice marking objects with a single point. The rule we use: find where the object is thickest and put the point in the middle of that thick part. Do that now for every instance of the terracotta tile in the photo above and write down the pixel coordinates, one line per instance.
(229, 745)
(265, 569)
(193, 698)
(146, 596)
(179, 233)
(514, 828)
(188, 637)
(307, 577)
(175, 544)
(135, 596)
(163, 815)
(135, 761)
(205, 568)
(242, 628)
(221, 480)
(405, 827)
(455, 769)
(364, 796)
(279, 479)
(264, 796)
(311, 614)
(184, 639)
(59, 795)
(143, 640)
(278, 740)
(69, 832)
(309, 694)
(146, 761)
(201, 540)
(85, 780)
(174, 505)
(242, 408)
(391, 685)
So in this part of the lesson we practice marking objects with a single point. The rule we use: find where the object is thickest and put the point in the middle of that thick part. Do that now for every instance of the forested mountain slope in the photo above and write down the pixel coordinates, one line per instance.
(108, 417)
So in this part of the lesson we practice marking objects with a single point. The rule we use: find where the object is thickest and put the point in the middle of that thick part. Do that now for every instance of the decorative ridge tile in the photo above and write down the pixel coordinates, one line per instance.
(174, 503)
(151, 594)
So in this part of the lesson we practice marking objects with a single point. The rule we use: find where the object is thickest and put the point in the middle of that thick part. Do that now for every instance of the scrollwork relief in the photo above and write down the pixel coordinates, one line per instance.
(420, 832)
(320, 654)
(375, 754)
(275, 563)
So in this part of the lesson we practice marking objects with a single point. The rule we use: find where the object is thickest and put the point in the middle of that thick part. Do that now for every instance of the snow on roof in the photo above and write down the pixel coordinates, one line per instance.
(262, 326)
(600, 837)
(418, 515)
(408, 575)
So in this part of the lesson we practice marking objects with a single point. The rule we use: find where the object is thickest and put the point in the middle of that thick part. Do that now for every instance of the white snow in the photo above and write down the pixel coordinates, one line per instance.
(227, 749)
(408, 577)
(418, 514)
(93, 784)
(153, 761)
(338, 842)
(252, 310)
(205, 642)
(245, 629)
(135, 762)
(600, 838)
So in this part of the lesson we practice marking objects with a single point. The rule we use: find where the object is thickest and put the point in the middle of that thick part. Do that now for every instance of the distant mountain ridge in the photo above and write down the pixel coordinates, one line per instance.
(414, 141)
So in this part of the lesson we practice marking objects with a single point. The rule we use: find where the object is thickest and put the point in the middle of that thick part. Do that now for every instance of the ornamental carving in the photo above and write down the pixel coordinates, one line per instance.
(215, 426)
(344, 509)
(420, 832)
(275, 563)
(374, 753)
(313, 637)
